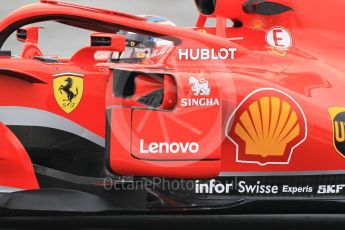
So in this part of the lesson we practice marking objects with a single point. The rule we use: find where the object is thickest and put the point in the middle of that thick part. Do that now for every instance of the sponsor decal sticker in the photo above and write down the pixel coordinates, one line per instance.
(169, 148)
(258, 23)
(201, 92)
(254, 187)
(279, 37)
(68, 90)
(330, 189)
(212, 187)
(266, 128)
(199, 87)
(279, 40)
(338, 124)
(308, 187)
(206, 54)
(279, 52)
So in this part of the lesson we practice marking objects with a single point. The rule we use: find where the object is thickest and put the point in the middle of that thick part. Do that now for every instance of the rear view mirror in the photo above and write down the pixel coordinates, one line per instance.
(99, 42)
(28, 34)
(108, 42)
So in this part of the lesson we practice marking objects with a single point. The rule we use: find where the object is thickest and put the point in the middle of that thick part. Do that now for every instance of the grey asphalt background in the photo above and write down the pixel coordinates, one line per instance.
(62, 40)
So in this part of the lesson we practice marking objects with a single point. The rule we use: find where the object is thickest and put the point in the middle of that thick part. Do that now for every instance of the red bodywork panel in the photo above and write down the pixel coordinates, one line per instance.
(15, 165)
(265, 109)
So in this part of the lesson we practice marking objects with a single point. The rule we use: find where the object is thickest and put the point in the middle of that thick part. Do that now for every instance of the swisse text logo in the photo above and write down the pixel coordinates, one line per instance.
(169, 148)
(257, 188)
(207, 54)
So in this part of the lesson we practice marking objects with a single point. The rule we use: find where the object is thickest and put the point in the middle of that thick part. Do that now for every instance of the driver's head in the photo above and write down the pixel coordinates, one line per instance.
(158, 20)
(137, 46)
(140, 46)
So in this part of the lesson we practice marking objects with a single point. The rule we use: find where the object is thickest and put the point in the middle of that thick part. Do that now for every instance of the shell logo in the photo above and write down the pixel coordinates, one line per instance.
(258, 23)
(266, 128)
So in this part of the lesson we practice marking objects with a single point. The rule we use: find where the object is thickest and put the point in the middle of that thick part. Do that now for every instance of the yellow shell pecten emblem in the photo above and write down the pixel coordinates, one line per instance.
(269, 131)
(267, 127)
(68, 90)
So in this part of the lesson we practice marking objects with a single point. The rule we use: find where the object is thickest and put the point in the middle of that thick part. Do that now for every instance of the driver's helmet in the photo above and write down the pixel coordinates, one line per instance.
(140, 46)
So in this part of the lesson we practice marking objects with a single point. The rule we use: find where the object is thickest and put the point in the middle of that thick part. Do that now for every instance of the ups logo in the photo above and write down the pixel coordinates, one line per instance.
(338, 123)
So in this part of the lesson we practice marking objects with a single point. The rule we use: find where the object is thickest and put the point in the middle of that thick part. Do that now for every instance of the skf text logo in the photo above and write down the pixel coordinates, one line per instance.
(330, 189)
(338, 124)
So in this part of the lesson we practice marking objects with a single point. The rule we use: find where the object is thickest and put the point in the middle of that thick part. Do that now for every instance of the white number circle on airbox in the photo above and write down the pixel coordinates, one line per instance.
(279, 37)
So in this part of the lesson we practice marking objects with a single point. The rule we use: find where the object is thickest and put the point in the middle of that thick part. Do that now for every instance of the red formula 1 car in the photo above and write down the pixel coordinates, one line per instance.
(247, 116)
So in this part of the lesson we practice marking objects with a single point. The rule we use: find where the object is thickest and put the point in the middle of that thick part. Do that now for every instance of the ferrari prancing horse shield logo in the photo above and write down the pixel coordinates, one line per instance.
(68, 90)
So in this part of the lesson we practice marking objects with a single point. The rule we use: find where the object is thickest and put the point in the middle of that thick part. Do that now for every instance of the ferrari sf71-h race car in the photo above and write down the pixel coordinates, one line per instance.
(246, 116)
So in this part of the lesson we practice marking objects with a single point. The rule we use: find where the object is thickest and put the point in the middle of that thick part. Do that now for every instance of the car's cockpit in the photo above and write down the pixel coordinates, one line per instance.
(109, 44)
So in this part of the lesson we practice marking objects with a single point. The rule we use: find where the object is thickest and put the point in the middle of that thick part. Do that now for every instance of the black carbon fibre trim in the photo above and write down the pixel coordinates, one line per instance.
(262, 7)
(22, 76)
(62, 150)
